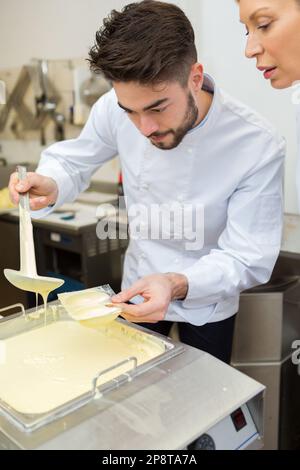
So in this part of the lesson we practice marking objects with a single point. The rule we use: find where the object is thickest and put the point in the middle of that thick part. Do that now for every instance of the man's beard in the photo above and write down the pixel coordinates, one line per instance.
(188, 123)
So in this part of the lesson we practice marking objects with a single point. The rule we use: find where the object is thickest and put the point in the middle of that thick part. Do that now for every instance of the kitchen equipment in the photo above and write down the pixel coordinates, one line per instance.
(181, 397)
(69, 249)
(7, 210)
(88, 88)
(267, 324)
(15, 101)
(27, 278)
(93, 88)
(46, 100)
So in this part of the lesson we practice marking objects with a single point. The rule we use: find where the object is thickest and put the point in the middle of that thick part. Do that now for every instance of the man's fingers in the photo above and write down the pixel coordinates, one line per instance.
(14, 195)
(32, 179)
(37, 203)
(127, 294)
(17, 187)
(13, 178)
(130, 309)
(139, 310)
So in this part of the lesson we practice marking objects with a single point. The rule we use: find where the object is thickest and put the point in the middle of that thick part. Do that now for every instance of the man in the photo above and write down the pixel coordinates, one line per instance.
(183, 143)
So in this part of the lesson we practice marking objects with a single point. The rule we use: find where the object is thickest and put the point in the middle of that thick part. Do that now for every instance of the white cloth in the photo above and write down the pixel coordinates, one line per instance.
(233, 165)
(298, 160)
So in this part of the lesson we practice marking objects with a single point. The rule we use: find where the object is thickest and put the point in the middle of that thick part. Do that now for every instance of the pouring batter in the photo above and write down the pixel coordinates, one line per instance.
(27, 278)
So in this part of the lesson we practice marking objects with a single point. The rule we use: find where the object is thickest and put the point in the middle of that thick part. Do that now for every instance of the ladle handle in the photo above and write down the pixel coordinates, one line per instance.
(24, 198)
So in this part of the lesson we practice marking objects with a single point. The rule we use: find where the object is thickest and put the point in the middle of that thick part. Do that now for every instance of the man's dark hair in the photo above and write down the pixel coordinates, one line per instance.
(147, 42)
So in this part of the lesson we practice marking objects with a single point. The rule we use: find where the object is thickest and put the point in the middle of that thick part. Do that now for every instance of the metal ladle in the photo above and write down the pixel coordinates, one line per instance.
(27, 278)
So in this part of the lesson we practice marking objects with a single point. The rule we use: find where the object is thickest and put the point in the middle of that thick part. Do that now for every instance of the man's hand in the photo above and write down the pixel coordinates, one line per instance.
(158, 291)
(43, 191)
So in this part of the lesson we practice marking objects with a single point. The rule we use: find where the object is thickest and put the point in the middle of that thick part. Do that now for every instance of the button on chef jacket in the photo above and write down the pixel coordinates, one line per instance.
(231, 165)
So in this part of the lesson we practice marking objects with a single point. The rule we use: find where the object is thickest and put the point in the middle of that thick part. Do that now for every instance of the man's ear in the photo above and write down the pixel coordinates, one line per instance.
(197, 77)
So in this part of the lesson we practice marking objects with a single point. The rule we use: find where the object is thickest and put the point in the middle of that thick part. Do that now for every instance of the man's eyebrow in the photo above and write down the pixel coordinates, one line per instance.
(155, 104)
(151, 106)
(256, 12)
(123, 107)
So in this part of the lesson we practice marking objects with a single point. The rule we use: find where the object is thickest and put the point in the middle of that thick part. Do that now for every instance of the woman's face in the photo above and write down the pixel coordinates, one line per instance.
(273, 29)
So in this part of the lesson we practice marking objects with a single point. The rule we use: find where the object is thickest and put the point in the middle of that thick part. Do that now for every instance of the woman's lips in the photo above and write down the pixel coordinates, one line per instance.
(268, 72)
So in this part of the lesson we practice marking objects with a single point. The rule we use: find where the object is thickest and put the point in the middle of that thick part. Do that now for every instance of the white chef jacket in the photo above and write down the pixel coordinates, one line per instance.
(232, 164)
(298, 161)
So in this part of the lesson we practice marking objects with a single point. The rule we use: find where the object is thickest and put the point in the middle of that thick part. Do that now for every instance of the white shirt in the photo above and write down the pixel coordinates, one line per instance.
(298, 160)
(232, 164)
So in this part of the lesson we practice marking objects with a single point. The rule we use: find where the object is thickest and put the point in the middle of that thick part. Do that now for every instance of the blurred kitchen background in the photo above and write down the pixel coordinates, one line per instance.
(43, 47)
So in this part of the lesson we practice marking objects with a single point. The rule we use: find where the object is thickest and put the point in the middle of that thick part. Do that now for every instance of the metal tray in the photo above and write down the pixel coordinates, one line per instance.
(21, 323)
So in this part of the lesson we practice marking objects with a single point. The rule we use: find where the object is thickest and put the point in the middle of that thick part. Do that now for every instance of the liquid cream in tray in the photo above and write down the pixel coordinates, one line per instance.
(46, 367)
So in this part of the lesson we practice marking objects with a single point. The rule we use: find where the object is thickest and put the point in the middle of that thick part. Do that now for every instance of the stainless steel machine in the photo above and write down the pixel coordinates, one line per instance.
(268, 322)
(182, 398)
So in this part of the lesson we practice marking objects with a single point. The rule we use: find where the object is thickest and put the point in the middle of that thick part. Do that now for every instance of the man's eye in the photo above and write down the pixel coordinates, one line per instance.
(158, 110)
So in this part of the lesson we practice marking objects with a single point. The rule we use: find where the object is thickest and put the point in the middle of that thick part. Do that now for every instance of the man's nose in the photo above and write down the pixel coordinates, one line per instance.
(148, 126)
(253, 47)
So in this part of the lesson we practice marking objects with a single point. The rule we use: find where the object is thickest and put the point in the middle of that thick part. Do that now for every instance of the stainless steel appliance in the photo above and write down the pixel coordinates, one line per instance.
(181, 398)
(267, 323)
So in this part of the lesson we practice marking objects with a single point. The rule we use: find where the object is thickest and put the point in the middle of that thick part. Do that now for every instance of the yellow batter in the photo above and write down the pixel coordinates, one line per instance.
(5, 202)
(49, 366)
(89, 307)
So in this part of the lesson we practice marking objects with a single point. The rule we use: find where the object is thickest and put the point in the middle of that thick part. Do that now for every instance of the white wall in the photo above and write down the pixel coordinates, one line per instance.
(50, 29)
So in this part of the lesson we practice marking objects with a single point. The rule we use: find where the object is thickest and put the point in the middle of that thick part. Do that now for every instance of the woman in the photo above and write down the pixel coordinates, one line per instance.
(273, 30)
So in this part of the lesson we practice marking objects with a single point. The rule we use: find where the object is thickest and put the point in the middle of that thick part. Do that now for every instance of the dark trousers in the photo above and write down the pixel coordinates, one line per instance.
(213, 338)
